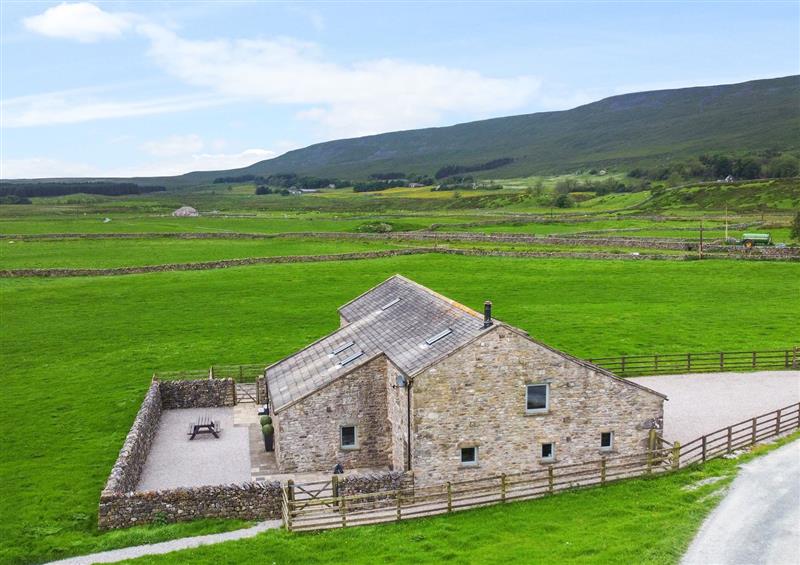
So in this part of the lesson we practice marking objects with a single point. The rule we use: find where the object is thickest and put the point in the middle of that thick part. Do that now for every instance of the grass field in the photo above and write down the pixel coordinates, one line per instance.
(104, 253)
(79, 352)
(599, 525)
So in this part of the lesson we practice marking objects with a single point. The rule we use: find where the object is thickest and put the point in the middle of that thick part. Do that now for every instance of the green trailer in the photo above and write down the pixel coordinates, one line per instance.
(750, 240)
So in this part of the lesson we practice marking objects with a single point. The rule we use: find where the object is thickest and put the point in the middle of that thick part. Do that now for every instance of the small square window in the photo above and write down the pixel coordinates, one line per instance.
(469, 455)
(607, 440)
(537, 398)
(548, 451)
(348, 437)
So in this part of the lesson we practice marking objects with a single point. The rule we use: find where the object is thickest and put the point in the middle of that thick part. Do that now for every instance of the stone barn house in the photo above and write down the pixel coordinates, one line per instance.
(414, 380)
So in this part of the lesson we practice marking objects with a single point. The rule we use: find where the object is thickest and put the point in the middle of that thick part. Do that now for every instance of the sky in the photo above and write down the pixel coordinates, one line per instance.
(154, 88)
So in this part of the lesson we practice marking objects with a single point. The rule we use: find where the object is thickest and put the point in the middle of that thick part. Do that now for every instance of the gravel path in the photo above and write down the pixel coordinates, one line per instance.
(168, 546)
(759, 520)
(174, 461)
(702, 403)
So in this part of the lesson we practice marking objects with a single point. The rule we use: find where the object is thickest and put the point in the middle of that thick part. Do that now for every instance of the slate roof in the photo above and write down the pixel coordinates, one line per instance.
(397, 318)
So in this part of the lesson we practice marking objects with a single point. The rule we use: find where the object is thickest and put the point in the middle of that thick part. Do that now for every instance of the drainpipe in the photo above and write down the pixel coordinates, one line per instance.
(409, 383)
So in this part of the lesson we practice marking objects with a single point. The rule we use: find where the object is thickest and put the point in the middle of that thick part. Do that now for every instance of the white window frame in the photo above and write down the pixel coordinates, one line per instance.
(610, 446)
(473, 463)
(552, 457)
(355, 436)
(546, 408)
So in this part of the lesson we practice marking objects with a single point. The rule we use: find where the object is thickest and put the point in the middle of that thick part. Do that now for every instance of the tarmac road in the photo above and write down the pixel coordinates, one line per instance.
(758, 521)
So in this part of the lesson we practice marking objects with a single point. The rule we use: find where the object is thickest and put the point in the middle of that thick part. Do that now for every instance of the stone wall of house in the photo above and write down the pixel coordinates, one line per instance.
(201, 393)
(477, 397)
(397, 415)
(261, 389)
(246, 501)
(128, 468)
(308, 432)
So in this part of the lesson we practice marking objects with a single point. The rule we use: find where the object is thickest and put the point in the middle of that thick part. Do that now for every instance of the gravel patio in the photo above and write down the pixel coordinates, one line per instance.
(175, 461)
(702, 403)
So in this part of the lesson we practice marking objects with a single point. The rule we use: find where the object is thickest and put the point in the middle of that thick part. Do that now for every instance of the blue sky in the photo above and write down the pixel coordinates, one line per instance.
(151, 88)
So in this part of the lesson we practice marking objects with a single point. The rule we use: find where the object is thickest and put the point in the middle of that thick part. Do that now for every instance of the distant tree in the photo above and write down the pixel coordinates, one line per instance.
(795, 233)
(263, 189)
(746, 168)
(784, 166)
(563, 201)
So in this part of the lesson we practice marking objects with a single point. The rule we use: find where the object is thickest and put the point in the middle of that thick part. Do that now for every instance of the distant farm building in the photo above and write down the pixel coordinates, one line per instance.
(186, 212)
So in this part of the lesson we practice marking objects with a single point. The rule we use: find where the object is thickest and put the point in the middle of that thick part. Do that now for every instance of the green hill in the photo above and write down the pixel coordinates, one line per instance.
(626, 130)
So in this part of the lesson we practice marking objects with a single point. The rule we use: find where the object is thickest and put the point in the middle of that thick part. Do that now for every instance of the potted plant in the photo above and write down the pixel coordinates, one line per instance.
(269, 437)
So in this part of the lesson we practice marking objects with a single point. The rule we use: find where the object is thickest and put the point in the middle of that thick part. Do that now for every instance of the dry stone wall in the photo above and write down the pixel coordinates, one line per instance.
(246, 501)
(202, 393)
(128, 468)
(121, 506)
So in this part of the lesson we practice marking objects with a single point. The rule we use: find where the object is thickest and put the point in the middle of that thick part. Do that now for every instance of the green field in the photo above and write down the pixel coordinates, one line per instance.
(82, 350)
(79, 352)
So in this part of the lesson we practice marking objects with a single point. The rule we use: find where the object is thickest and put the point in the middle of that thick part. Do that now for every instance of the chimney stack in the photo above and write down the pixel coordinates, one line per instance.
(487, 314)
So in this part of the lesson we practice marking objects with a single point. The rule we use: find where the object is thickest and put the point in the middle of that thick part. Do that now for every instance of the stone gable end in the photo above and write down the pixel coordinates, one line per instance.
(476, 397)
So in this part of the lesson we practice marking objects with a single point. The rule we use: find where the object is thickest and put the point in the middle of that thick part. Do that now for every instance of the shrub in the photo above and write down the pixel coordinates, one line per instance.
(266, 420)
(564, 201)
(267, 429)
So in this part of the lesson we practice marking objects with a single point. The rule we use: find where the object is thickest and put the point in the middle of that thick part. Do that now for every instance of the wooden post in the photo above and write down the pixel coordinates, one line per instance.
(676, 455)
(240, 373)
(656, 364)
(550, 480)
(700, 248)
(786, 359)
(721, 361)
(730, 433)
(622, 366)
(290, 490)
(603, 470)
(753, 442)
(449, 497)
(211, 372)
(704, 449)
(778, 423)
(343, 511)
(754, 359)
(335, 487)
(688, 362)
(794, 357)
(503, 487)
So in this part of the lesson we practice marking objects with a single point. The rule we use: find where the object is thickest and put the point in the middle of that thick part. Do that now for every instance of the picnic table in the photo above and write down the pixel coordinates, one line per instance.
(204, 425)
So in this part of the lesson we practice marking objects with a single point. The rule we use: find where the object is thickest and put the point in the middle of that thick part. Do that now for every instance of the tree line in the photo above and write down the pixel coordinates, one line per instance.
(450, 170)
(28, 189)
(765, 164)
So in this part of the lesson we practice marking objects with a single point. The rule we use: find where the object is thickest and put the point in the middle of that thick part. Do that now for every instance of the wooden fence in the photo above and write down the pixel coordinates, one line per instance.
(718, 361)
(240, 373)
(324, 512)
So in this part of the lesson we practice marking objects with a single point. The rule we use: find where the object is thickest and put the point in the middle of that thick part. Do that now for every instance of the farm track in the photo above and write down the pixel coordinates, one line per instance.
(365, 255)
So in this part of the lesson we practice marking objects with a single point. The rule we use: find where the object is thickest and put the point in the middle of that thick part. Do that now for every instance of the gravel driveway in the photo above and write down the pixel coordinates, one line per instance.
(702, 403)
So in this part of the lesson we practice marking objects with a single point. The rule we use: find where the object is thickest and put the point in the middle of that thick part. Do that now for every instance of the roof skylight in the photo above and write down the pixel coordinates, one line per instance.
(350, 359)
(433, 339)
(343, 347)
(390, 304)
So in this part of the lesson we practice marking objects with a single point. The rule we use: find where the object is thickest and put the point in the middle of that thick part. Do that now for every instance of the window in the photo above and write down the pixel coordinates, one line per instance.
(469, 455)
(548, 452)
(607, 441)
(349, 439)
(537, 399)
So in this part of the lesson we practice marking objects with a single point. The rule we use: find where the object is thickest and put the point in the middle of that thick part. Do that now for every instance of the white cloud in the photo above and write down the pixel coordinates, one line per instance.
(41, 167)
(83, 105)
(81, 21)
(366, 97)
(174, 145)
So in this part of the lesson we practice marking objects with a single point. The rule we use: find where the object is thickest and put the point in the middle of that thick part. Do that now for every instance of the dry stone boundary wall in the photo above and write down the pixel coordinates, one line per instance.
(122, 506)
